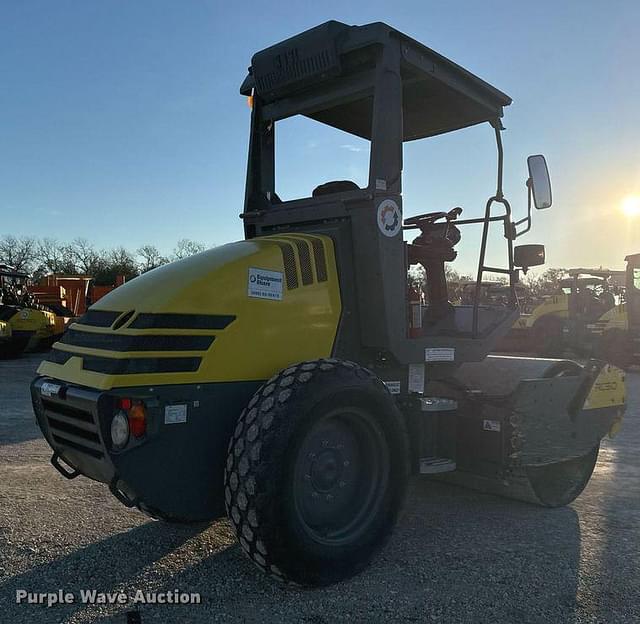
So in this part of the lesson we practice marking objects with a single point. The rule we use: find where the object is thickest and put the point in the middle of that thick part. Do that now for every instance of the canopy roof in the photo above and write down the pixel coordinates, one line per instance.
(327, 73)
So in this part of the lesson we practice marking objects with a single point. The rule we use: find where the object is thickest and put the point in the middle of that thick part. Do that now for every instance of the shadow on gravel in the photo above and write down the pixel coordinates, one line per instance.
(104, 566)
(457, 556)
(17, 422)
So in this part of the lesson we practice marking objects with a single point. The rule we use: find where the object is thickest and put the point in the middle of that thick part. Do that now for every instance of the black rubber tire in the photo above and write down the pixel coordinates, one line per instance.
(548, 337)
(559, 484)
(265, 495)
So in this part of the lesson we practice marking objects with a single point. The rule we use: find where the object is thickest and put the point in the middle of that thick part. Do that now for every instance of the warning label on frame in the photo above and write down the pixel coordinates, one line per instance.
(265, 284)
(440, 354)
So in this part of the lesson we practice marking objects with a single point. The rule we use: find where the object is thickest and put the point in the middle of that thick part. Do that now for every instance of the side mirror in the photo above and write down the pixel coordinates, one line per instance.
(526, 256)
(539, 181)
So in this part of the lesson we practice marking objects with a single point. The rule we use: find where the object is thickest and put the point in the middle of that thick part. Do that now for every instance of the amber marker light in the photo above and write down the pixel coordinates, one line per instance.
(137, 419)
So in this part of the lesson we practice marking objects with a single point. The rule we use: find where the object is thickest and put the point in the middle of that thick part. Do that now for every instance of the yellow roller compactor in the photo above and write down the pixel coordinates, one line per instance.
(31, 327)
(290, 378)
(595, 313)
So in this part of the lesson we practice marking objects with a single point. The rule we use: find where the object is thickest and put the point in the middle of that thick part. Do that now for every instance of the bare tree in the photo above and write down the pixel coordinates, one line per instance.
(115, 262)
(186, 248)
(151, 258)
(86, 258)
(417, 277)
(121, 259)
(18, 252)
(547, 283)
(453, 276)
(54, 257)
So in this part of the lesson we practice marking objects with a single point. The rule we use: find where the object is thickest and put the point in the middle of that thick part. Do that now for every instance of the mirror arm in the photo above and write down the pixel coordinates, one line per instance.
(526, 219)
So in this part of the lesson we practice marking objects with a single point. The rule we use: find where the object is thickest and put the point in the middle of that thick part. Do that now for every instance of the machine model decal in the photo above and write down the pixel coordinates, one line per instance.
(265, 284)
(389, 218)
(608, 389)
(442, 354)
(174, 414)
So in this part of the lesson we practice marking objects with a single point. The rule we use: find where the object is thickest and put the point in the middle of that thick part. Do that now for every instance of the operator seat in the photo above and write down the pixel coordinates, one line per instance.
(335, 186)
(432, 249)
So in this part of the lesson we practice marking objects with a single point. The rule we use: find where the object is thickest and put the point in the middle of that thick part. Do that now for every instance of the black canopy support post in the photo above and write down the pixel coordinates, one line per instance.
(260, 183)
(385, 165)
(253, 169)
(379, 260)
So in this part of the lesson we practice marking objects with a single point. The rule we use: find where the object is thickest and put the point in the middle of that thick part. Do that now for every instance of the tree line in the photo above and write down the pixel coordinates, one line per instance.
(44, 256)
(533, 285)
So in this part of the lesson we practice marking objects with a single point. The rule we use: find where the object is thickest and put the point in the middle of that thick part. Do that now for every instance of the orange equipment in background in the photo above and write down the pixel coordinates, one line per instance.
(69, 296)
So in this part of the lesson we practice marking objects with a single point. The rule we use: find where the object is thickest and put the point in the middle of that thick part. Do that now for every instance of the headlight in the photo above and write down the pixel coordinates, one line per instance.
(120, 429)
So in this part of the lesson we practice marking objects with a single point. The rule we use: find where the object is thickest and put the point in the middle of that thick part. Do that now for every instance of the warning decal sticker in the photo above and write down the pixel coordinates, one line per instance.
(440, 354)
(389, 218)
(265, 284)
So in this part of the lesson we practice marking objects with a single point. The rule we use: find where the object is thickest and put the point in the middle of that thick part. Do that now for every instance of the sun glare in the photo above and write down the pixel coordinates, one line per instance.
(631, 206)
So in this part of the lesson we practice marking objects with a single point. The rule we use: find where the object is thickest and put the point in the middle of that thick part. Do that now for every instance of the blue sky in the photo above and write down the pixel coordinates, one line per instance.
(122, 123)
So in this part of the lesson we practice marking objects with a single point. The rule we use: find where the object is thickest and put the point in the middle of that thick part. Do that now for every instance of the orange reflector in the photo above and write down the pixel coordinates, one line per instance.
(137, 420)
(250, 101)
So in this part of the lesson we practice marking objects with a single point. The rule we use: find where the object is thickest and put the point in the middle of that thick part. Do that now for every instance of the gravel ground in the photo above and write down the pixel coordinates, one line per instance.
(456, 556)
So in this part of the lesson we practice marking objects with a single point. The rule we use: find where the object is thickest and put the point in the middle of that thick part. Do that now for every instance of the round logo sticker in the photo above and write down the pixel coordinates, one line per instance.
(389, 217)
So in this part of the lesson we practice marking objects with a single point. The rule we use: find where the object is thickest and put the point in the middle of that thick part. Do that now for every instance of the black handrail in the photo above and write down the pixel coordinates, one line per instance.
(509, 233)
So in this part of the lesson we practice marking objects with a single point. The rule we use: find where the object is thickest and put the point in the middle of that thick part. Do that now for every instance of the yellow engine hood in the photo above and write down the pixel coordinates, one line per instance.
(237, 312)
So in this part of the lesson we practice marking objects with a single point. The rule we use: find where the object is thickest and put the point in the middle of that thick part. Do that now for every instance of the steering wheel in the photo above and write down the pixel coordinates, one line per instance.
(431, 217)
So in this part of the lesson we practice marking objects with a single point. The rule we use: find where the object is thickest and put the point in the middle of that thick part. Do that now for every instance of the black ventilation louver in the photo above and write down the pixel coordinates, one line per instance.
(125, 342)
(157, 344)
(289, 262)
(98, 318)
(305, 262)
(320, 259)
(305, 248)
